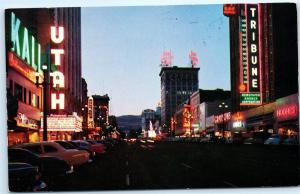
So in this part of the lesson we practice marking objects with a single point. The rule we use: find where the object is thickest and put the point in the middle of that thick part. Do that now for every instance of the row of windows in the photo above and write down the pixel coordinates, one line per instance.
(24, 95)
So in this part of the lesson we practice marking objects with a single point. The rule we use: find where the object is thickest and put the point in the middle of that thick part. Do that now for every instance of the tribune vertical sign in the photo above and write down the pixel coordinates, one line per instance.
(57, 97)
(251, 93)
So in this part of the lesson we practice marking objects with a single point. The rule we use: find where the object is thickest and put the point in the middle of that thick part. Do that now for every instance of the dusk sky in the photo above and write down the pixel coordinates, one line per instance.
(122, 46)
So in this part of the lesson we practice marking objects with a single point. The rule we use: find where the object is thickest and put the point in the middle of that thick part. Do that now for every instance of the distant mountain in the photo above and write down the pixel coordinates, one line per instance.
(129, 122)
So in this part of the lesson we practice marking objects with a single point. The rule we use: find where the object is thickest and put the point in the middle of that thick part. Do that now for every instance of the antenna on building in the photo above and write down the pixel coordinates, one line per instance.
(193, 58)
(166, 59)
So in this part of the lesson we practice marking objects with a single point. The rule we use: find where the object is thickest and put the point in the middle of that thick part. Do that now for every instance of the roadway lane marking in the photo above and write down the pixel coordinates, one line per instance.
(185, 165)
(127, 180)
(229, 184)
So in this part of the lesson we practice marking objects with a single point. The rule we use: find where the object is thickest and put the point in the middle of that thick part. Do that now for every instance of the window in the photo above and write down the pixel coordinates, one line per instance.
(38, 102)
(29, 97)
(19, 92)
(34, 148)
(24, 96)
(49, 148)
(33, 100)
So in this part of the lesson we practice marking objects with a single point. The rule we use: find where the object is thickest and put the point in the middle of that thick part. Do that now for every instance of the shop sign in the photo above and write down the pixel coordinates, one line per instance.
(24, 44)
(237, 124)
(222, 118)
(287, 112)
(250, 99)
(57, 97)
(23, 121)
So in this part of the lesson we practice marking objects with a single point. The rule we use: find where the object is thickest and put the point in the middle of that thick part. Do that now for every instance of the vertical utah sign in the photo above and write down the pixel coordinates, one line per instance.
(57, 76)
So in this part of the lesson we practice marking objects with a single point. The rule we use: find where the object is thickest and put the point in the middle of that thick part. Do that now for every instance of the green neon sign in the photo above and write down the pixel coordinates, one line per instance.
(250, 98)
(24, 44)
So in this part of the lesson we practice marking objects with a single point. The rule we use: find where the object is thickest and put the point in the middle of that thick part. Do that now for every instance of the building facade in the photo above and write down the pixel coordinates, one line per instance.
(29, 44)
(101, 111)
(264, 66)
(177, 84)
(263, 53)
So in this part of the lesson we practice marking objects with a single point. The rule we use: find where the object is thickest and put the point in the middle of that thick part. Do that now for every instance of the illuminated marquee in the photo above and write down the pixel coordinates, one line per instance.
(251, 95)
(24, 44)
(63, 123)
(57, 98)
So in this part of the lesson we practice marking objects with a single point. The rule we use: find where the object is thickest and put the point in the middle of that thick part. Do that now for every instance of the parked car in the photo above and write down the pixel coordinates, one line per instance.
(71, 156)
(291, 141)
(252, 140)
(48, 166)
(94, 148)
(24, 177)
(273, 140)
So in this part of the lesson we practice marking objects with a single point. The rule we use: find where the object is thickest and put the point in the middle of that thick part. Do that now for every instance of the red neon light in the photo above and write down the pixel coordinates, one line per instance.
(287, 112)
(222, 118)
(260, 50)
(229, 9)
(242, 87)
(246, 16)
(19, 66)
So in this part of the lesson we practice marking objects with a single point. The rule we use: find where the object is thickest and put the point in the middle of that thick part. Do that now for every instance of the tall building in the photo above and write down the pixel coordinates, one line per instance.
(148, 115)
(84, 103)
(177, 84)
(101, 110)
(263, 52)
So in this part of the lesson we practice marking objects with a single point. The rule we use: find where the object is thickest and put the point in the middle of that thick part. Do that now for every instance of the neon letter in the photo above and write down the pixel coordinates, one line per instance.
(58, 79)
(25, 50)
(15, 25)
(60, 101)
(57, 53)
(254, 83)
(57, 39)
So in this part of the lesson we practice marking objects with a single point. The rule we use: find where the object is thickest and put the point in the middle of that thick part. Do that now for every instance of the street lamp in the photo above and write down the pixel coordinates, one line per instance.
(44, 83)
(223, 106)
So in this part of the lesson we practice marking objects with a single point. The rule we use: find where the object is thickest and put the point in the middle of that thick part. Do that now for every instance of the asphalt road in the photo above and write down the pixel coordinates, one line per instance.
(171, 165)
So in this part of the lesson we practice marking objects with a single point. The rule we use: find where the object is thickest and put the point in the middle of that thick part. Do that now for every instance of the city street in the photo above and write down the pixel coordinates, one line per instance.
(170, 165)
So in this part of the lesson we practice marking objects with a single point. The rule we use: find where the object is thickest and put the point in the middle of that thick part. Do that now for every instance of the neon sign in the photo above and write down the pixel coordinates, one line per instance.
(229, 9)
(186, 118)
(250, 99)
(58, 98)
(193, 58)
(166, 59)
(250, 86)
(287, 112)
(90, 112)
(24, 44)
(222, 118)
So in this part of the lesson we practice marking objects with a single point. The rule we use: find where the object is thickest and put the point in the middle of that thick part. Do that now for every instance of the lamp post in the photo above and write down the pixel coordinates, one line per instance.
(223, 106)
(44, 83)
